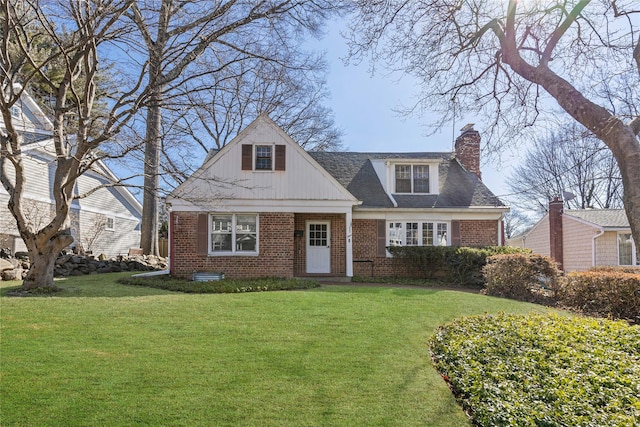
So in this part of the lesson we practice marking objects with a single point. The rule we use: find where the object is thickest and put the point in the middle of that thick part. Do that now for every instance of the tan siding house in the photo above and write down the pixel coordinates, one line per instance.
(589, 237)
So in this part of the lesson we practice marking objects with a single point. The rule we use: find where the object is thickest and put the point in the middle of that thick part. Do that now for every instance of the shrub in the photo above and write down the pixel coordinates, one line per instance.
(542, 370)
(458, 265)
(617, 268)
(603, 292)
(524, 277)
(221, 286)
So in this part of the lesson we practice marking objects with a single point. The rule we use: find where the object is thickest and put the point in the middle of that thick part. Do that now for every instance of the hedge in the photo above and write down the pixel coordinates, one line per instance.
(602, 292)
(525, 277)
(542, 370)
(458, 265)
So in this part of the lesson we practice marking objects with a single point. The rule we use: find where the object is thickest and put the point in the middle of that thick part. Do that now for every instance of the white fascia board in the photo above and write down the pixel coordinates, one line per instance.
(235, 205)
(440, 214)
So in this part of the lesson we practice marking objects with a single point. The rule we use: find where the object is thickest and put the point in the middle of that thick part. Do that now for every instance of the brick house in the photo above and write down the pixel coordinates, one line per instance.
(578, 239)
(262, 206)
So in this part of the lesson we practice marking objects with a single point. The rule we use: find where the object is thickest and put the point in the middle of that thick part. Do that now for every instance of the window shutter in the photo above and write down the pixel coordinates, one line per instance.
(202, 235)
(381, 238)
(456, 240)
(247, 157)
(280, 157)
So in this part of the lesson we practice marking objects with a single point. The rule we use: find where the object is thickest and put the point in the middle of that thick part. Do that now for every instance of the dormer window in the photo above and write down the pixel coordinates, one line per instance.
(412, 179)
(263, 157)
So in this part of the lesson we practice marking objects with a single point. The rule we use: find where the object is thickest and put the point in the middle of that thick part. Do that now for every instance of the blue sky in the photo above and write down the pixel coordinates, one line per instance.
(363, 108)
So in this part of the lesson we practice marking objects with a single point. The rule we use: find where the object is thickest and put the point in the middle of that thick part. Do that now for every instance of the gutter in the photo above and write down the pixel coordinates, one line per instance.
(593, 247)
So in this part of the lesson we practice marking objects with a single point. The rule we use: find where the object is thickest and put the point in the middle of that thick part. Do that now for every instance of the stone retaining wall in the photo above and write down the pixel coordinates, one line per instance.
(15, 268)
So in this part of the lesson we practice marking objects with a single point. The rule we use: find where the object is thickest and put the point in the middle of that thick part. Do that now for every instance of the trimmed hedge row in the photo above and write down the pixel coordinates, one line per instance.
(542, 370)
(524, 277)
(603, 291)
(458, 265)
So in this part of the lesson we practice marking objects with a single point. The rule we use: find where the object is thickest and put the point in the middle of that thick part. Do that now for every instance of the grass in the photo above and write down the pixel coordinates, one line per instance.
(102, 353)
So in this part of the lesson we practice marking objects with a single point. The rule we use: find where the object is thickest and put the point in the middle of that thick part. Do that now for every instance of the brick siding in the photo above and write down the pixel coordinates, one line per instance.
(479, 233)
(283, 255)
(472, 233)
(276, 249)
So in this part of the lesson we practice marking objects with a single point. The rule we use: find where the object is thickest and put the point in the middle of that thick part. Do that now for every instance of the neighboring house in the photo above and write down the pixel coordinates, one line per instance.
(107, 221)
(578, 239)
(262, 206)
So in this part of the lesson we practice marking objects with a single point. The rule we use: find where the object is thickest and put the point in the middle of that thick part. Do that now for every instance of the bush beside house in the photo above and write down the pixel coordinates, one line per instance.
(605, 292)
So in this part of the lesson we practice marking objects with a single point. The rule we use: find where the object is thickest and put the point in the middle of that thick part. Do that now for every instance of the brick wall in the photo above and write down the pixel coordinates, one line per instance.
(479, 233)
(472, 233)
(276, 249)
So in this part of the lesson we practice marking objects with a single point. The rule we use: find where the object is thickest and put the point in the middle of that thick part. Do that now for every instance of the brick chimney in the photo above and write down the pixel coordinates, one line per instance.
(555, 230)
(467, 149)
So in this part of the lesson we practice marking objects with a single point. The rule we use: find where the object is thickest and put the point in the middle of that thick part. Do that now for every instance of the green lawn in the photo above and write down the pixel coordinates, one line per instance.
(101, 353)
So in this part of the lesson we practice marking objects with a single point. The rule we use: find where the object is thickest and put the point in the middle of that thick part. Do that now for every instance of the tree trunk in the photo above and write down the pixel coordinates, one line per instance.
(149, 226)
(42, 255)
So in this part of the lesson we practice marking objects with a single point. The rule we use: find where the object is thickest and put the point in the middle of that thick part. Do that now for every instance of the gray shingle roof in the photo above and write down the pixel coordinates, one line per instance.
(458, 187)
(614, 218)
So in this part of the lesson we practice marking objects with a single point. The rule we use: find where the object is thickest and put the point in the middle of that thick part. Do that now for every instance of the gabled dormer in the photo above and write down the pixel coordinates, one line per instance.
(412, 175)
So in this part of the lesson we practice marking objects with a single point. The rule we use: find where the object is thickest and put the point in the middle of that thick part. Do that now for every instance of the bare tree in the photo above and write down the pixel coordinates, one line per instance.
(88, 25)
(177, 33)
(569, 160)
(516, 222)
(215, 108)
(506, 59)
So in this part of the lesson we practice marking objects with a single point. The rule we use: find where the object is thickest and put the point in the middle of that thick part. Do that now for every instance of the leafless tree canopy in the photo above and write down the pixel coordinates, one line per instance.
(507, 59)
(76, 32)
(463, 51)
(569, 160)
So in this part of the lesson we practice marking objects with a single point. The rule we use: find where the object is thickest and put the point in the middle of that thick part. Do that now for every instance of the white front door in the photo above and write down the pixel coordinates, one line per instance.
(319, 247)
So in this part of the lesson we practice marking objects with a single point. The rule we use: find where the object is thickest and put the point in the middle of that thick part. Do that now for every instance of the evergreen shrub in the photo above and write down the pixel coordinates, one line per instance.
(459, 265)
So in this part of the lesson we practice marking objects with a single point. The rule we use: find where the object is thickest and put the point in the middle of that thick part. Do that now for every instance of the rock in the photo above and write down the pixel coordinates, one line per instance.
(6, 265)
(15, 274)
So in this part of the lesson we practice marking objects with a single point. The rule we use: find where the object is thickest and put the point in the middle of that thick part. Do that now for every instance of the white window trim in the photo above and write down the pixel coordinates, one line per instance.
(113, 223)
(233, 251)
(403, 235)
(434, 171)
(255, 157)
(634, 250)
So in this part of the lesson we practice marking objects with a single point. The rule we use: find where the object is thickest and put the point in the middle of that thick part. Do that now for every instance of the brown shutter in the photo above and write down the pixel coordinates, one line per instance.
(202, 235)
(281, 151)
(382, 238)
(456, 239)
(247, 157)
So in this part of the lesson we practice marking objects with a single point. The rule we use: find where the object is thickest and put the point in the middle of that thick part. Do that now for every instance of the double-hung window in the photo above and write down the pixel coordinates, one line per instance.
(236, 233)
(412, 178)
(264, 157)
(416, 233)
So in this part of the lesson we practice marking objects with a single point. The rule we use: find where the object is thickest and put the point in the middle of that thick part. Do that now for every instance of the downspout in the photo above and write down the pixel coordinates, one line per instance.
(593, 247)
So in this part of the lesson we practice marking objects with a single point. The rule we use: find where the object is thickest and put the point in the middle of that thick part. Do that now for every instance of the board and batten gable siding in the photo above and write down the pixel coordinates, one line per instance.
(227, 177)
